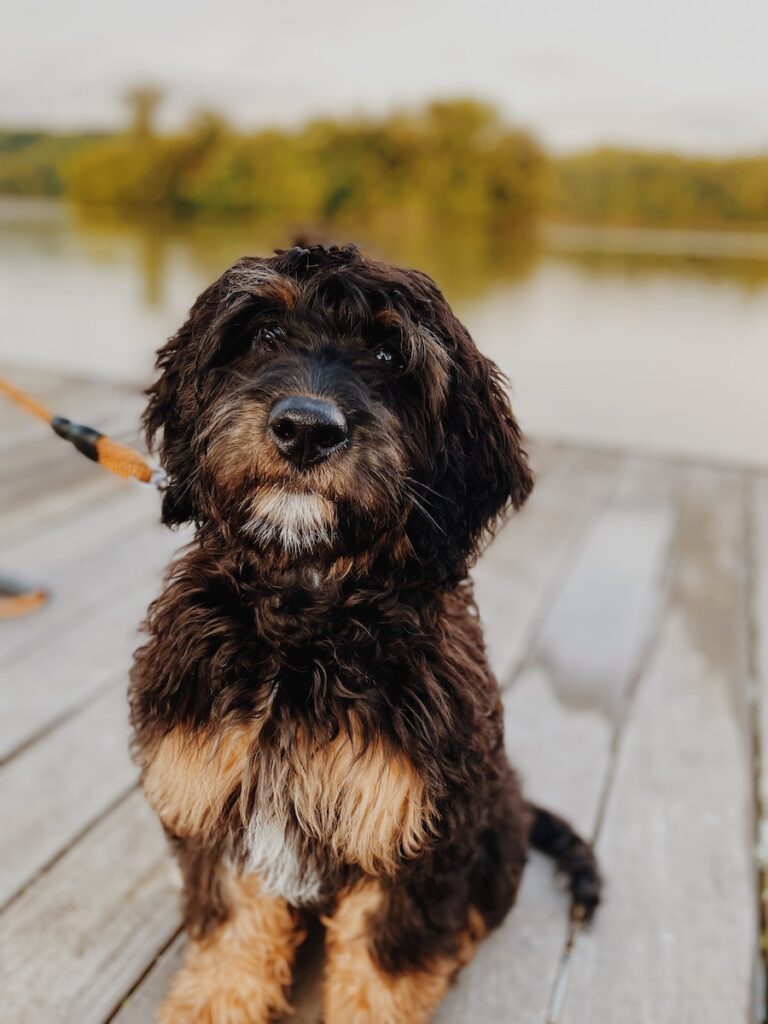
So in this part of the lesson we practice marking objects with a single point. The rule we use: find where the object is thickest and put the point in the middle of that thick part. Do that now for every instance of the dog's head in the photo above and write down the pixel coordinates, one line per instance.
(317, 404)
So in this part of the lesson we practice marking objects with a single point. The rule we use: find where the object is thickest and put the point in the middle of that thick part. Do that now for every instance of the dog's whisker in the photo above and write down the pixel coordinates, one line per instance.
(420, 483)
(186, 488)
(420, 507)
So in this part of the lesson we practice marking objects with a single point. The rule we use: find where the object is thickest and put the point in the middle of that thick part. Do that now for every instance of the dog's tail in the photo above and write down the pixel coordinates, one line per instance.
(573, 856)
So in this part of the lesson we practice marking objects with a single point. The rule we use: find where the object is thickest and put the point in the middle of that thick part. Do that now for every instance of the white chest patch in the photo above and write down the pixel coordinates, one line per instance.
(297, 521)
(272, 855)
(356, 803)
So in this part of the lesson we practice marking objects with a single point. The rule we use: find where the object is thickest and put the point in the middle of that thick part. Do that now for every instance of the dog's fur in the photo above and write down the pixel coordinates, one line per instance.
(314, 715)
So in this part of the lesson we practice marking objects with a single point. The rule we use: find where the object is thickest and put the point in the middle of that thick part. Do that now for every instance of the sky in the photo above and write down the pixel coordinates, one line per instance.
(688, 75)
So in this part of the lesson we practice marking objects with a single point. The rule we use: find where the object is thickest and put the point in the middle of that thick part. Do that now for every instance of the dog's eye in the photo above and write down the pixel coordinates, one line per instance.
(267, 337)
(389, 357)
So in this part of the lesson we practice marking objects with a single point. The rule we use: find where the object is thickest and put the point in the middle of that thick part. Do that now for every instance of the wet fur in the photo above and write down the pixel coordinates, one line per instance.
(313, 705)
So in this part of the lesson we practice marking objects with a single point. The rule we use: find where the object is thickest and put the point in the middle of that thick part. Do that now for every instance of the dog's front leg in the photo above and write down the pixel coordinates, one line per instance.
(240, 971)
(358, 989)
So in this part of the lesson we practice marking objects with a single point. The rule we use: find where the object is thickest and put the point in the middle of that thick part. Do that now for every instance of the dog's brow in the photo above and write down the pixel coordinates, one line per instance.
(284, 292)
(389, 318)
(267, 283)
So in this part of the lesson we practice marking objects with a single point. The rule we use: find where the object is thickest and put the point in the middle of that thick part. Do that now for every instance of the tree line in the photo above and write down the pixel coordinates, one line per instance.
(450, 161)
(454, 160)
(657, 189)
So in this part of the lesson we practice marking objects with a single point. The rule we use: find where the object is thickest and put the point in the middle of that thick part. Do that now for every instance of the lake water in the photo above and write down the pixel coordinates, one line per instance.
(650, 341)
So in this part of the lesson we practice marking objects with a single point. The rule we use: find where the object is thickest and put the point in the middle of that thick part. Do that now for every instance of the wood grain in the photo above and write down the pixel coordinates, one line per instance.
(516, 575)
(675, 942)
(88, 566)
(75, 665)
(626, 709)
(560, 723)
(758, 555)
(82, 934)
(54, 790)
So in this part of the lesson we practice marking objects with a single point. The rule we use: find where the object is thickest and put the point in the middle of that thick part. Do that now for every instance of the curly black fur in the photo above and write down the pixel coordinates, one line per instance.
(368, 626)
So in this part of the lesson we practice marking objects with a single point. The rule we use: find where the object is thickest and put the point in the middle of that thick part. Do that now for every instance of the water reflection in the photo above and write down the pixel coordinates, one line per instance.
(604, 339)
(465, 263)
(747, 272)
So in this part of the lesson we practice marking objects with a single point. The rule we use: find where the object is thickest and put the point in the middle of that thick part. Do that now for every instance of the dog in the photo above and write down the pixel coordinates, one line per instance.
(313, 714)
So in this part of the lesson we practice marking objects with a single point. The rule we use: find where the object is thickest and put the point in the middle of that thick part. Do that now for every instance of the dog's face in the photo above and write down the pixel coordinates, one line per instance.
(318, 406)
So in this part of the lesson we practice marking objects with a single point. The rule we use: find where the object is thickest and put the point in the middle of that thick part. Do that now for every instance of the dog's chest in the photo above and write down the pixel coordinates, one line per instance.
(302, 809)
(324, 805)
(276, 851)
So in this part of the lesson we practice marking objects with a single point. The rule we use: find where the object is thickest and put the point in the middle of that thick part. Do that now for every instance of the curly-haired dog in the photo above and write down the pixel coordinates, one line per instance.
(314, 716)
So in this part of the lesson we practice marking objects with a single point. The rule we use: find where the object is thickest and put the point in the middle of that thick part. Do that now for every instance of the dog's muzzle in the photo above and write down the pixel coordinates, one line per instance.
(307, 430)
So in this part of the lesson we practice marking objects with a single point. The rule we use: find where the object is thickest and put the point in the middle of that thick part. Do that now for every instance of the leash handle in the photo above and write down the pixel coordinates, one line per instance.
(118, 458)
(16, 599)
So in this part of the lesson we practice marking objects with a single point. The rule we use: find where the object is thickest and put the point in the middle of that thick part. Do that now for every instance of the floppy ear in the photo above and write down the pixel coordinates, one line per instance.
(173, 405)
(481, 467)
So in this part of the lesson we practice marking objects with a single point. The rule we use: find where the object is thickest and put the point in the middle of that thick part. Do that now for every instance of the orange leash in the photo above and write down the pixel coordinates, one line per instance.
(24, 401)
(15, 598)
(117, 458)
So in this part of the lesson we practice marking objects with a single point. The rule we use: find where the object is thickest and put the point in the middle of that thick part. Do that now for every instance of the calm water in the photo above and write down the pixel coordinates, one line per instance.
(661, 348)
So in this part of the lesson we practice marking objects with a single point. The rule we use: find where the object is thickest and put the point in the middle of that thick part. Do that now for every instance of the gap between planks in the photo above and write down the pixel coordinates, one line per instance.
(756, 530)
(677, 827)
(561, 707)
(540, 889)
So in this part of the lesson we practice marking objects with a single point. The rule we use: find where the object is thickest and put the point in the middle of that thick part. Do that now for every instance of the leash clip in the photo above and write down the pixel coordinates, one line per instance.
(159, 479)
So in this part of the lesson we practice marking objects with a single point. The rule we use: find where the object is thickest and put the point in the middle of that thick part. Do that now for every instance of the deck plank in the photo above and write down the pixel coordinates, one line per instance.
(571, 593)
(758, 624)
(515, 576)
(97, 558)
(83, 932)
(17, 427)
(82, 490)
(758, 498)
(58, 467)
(54, 679)
(60, 546)
(54, 790)
(101, 404)
(140, 1004)
(560, 723)
(676, 939)
(44, 479)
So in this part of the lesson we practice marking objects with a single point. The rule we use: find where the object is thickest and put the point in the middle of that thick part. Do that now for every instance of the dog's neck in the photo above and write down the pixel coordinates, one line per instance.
(386, 571)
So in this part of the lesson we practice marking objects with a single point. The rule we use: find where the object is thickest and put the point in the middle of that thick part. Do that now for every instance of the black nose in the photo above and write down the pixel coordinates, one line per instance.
(307, 430)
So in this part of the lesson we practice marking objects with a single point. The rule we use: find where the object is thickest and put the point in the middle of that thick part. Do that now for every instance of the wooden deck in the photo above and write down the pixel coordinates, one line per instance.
(627, 614)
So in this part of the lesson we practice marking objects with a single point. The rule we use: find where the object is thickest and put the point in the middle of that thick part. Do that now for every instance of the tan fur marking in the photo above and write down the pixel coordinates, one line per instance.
(371, 807)
(368, 805)
(265, 282)
(357, 991)
(282, 291)
(239, 974)
(388, 317)
(189, 776)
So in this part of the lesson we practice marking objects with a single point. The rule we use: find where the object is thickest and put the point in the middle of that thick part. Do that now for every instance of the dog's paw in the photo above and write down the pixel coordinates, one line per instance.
(245, 1003)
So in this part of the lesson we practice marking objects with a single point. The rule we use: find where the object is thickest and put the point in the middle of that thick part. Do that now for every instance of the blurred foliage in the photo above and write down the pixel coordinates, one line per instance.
(451, 161)
(31, 162)
(626, 187)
